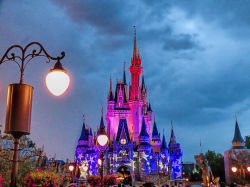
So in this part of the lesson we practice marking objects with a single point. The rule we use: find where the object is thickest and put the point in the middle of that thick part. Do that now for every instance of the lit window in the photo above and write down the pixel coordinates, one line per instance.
(120, 104)
(123, 141)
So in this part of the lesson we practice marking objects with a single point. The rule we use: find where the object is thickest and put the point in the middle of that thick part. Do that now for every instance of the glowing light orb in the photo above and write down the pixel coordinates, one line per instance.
(85, 168)
(71, 168)
(248, 168)
(102, 140)
(99, 162)
(57, 81)
(234, 169)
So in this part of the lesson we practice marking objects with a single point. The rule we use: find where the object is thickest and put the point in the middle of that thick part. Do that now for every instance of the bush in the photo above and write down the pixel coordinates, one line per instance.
(109, 180)
(42, 178)
(94, 180)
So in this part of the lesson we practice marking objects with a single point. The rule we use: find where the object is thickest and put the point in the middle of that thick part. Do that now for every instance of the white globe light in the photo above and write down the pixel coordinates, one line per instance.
(71, 168)
(85, 168)
(57, 81)
(99, 162)
(102, 140)
(248, 168)
(234, 169)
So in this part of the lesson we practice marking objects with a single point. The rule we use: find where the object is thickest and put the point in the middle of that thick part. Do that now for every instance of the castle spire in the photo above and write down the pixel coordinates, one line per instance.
(172, 136)
(135, 47)
(164, 144)
(144, 129)
(238, 141)
(149, 106)
(124, 74)
(155, 130)
(110, 84)
(84, 133)
(101, 122)
(110, 95)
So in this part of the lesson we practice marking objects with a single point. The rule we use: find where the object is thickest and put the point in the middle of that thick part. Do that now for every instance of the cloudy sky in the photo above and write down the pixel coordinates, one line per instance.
(195, 55)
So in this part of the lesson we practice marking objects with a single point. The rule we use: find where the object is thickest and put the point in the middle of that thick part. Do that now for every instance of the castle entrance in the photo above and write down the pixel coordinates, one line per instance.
(123, 175)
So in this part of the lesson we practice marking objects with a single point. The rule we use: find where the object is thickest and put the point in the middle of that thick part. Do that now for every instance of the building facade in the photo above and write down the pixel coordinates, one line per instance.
(237, 160)
(135, 143)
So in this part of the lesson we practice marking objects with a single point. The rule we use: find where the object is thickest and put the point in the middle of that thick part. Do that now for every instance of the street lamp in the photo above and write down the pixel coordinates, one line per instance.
(102, 143)
(234, 169)
(248, 168)
(19, 97)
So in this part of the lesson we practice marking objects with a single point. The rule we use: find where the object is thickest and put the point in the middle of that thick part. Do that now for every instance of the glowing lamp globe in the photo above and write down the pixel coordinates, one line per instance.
(102, 139)
(99, 162)
(57, 80)
(71, 168)
(85, 168)
(234, 169)
(248, 168)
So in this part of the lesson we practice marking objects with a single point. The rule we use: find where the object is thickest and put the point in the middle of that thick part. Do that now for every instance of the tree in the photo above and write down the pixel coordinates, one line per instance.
(25, 166)
(216, 162)
(247, 143)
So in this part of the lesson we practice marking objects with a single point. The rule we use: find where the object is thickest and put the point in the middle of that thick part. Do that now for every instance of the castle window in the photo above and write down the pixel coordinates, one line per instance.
(123, 141)
(120, 104)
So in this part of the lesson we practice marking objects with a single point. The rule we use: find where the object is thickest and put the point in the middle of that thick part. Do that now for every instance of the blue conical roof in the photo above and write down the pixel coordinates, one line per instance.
(149, 107)
(237, 134)
(124, 75)
(84, 133)
(164, 143)
(111, 96)
(90, 132)
(155, 130)
(144, 129)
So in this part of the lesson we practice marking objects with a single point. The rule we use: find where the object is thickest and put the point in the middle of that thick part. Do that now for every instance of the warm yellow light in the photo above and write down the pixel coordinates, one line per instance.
(57, 81)
(234, 169)
(123, 141)
(85, 168)
(102, 139)
(99, 162)
(71, 168)
(248, 168)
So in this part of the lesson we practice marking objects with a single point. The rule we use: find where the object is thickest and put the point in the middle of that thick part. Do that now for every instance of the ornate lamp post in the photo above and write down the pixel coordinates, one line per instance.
(19, 97)
(102, 143)
(71, 169)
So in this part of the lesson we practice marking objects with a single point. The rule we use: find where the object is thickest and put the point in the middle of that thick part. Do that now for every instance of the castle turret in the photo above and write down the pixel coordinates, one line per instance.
(144, 151)
(238, 141)
(156, 139)
(135, 102)
(143, 91)
(101, 126)
(83, 139)
(144, 136)
(135, 70)
(175, 153)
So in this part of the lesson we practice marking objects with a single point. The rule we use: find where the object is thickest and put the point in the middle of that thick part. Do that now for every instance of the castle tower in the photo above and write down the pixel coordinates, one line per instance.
(135, 102)
(110, 109)
(238, 141)
(156, 139)
(175, 153)
(83, 139)
(135, 70)
(237, 159)
(144, 152)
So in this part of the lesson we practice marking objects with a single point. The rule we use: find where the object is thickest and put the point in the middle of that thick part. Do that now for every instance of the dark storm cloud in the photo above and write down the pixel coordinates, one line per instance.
(181, 42)
(108, 16)
(195, 58)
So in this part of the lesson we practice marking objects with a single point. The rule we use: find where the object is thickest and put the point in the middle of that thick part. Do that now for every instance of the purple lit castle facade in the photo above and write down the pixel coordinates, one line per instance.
(134, 145)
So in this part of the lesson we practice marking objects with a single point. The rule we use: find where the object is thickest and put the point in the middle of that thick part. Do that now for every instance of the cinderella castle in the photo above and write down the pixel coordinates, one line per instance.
(136, 147)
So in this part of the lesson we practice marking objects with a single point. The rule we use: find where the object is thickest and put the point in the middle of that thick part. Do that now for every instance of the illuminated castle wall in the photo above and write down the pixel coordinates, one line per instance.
(133, 143)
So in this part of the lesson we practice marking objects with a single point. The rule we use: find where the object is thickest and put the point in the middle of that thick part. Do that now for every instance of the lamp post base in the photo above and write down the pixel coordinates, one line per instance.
(14, 171)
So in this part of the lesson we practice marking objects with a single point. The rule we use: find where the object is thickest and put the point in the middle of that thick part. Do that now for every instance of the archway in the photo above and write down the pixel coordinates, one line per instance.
(123, 175)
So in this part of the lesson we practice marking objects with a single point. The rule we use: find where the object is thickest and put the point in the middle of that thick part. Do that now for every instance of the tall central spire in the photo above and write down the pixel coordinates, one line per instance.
(135, 47)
